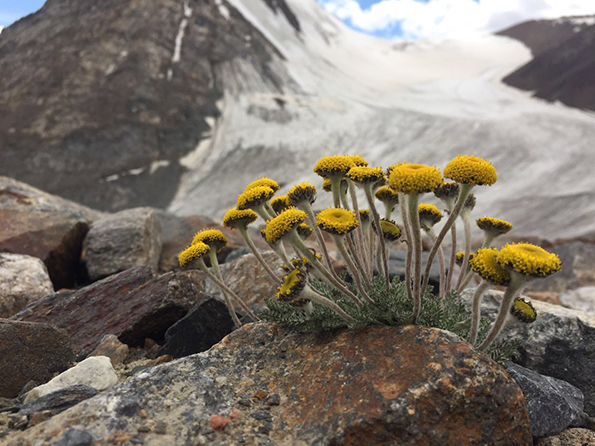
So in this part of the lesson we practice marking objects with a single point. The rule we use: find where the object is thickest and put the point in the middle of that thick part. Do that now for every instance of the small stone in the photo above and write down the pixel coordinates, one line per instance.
(111, 347)
(261, 415)
(218, 422)
(142, 413)
(76, 437)
(273, 400)
(260, 394)
(122, 241)
(144, 428)
(23, 279)
(245, 401)
(59, 400)
(236, 414)
(96, 372)
(160, 427)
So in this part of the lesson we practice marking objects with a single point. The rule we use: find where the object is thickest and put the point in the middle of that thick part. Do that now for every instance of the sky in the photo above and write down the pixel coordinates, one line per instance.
(407, 19)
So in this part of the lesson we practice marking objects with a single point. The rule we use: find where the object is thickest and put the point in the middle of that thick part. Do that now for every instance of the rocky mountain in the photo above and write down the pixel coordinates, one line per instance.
(563, 62)
(179, 104)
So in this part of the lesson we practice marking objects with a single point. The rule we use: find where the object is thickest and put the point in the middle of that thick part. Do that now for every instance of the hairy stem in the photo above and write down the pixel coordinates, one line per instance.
(230, 308)
(355, 273)
(309, 293)
(476, 311)
(442, 293)
(326, 258)
(336, 189)
(465, 265)
(259, 257)
(413, 200)
(407, 226)
(376, 222)
(453, 256)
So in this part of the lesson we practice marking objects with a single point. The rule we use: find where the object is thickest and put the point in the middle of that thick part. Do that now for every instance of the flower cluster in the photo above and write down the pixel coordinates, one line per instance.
(363, 240)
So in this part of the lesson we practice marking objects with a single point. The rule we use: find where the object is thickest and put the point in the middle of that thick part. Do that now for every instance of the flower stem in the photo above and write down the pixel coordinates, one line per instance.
(413, 200)
(442, 270)
(517, 282)
(230, 308)
(453, 256)
(258, 256)
(336, 189)
(307, 208)
(465, 265)
(309, 293)
(476, 311)
(463, 194)
(376, 222)
(407, 226)
(355, 273)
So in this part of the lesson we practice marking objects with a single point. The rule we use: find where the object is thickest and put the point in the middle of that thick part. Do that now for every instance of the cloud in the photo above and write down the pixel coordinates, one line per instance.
(450, 18)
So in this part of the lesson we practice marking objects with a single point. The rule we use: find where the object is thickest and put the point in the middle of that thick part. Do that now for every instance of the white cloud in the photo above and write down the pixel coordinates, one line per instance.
(451, 18)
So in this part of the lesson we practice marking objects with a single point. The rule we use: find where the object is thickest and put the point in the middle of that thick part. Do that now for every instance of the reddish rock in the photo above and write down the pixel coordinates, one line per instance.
(30, 351)
(41, 225)
(177, 234)
(218, 422)
(132, 305)
(551, 297)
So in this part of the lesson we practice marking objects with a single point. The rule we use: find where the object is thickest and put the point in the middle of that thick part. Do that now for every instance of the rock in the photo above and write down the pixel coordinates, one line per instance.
(60, 400)
(551, 297)
(96, 372)
(41, 225)
(76, 437)
(178, 233)
(205, 324)
(397, 262)
(570, 437)
(30, 351)
(560, 343)
(121, 241)
(553, 404)
(375, 386)
(580, 299)
(132, 305)
(248, 279)
(23, 279)
(111, 347)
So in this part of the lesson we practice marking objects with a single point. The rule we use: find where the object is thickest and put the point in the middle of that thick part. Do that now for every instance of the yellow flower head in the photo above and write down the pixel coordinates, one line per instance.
(263, 182)
(302, 192)
(304, 231)
(234, 218)
(337, 221)
(484, 263)
(327, 185)
(212, 237)
(365, 175)
(460, 257)
(529, 260)
(280, 203)
(331, 166)
(291, 288)
(390, 231)
(471, 170)
(469, 203)
(193, 252)
(364, 215)
(523, 310)
(429, 215)
(447, 193)
(387, 195)
(283, 224)
(414, 178)
(358, 160)
(493, 226)
(254, 197)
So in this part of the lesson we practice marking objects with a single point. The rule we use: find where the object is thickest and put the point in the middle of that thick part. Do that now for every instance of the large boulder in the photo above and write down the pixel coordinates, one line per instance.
(132, 305)
(265, 385)
(41, 225)
(121, 241)
(553, 404)
(560, 343)
(23, 279)
(30, 351)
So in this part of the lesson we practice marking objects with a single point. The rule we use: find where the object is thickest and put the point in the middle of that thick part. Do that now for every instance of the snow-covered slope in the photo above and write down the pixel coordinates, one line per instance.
(423, 102)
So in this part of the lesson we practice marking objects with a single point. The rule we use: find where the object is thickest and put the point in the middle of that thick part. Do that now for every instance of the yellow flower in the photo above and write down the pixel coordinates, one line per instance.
(263, 182)
(447, 192)
(212, 237)
(304, 231)
(494, 226)
(523, 310)
(469, 203)
(327, 185)
(429, 215)
(302, 192)
(365, 175)
(390, 230)
(280, 203)
(254, 197)
(291, 288)
(529, 260)
(484, 263)
(283, 224)
(459, 257)
(330, 166)
(471, 170)
(193, 252)
(364, 215)
(337, 221)
(358, 160)
(414, 178)
(234, 218)
(387, 195)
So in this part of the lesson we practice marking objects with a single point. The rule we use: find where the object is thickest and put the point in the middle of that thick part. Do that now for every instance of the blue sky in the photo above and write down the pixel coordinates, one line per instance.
(12, 10)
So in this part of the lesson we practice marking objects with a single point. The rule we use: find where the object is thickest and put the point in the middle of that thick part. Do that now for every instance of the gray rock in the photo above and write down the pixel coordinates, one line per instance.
(121, 241)
(59, 400)
(570, 437)
(205, 324)
(75, 437)
(30, 351)
(580, 299)
(560, 343)
(23, 279)
(553, 404)
(111, 347)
